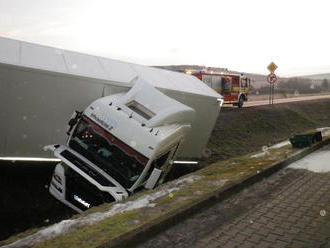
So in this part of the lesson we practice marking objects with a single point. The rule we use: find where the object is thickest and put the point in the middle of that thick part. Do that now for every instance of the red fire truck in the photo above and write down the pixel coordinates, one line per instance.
(233, 87)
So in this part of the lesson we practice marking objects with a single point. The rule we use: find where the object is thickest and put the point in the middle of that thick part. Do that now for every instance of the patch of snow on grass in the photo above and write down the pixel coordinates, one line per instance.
(66, 226)
(281, 144)
(316, 162)
(266, 148)
(324, 130)
(259, 155)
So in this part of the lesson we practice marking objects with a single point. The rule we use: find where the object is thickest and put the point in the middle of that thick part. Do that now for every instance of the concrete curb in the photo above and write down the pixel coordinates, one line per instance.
(144, 232)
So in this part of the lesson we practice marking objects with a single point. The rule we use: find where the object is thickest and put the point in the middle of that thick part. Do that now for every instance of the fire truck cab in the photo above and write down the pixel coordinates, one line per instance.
(233, 87)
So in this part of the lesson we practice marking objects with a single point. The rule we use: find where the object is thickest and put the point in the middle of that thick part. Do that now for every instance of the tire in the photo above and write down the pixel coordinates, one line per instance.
(240, 102)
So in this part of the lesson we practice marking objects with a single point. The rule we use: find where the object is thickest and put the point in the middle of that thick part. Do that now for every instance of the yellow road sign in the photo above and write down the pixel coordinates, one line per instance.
(272, 67)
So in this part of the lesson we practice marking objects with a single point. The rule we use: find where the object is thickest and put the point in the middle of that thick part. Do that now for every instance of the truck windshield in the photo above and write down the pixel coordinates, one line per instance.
(107, 152)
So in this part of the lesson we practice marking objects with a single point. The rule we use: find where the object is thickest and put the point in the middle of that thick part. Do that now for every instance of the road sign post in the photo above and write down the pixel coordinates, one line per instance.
(271, 79)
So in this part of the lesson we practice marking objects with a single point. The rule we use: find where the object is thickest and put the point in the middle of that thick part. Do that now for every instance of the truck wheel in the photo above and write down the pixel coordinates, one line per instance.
(240, 102)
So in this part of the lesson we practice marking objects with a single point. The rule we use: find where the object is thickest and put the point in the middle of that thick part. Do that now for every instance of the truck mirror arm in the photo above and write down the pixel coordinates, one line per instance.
(73, 121)
(184, 162)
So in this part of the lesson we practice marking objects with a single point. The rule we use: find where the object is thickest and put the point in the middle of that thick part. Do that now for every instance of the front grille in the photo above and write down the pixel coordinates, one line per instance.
(78, 186)
(86, 168)
(56, 187)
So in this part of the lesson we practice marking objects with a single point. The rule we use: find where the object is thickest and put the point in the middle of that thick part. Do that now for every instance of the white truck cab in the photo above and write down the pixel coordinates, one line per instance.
(118, 144)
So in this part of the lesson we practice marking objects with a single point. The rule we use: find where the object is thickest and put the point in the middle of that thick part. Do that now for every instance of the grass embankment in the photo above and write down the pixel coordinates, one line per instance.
(241, 131)
(217, 177)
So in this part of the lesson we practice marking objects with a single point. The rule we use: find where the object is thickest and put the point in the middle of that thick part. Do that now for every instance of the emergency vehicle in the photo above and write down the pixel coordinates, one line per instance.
(233, 87)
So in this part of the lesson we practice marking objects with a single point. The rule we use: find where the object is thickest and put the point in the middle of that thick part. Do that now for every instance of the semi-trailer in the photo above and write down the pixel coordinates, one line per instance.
(136, 120)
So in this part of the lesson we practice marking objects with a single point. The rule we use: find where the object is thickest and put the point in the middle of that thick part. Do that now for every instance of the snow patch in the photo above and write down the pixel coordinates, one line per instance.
(266, 148)
(318, 162)
(324, 130)
(281, 144)
(66, 226)
(260, 155)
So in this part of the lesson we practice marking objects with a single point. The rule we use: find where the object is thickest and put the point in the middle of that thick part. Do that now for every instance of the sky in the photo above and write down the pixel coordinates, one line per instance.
(235, 34)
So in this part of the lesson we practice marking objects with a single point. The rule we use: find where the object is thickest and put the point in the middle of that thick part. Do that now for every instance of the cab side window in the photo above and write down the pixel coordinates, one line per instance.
(244, 83)
(226, 84)
(236, 81)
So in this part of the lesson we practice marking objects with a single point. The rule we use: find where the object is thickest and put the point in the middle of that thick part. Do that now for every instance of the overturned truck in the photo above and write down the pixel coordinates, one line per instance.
(118, 144)
(136, 122)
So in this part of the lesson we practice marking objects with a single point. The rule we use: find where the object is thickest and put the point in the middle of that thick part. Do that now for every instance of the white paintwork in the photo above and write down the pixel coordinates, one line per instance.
(155, 175)
(40, 57)
(33, 56)
(9, 51)
(172, 118)
(318, 162)
(44, 85)
(167, 110)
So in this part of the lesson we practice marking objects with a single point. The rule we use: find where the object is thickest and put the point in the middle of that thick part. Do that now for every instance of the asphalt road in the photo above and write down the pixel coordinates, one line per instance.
(285, 100)
(291, 208)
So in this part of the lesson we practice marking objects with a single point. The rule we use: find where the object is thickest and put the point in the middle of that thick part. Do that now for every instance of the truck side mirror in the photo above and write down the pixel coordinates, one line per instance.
(153, 179)
(73, 120)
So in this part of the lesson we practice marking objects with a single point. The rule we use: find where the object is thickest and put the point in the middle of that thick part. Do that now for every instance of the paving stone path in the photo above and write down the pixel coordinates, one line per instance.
(289, 209)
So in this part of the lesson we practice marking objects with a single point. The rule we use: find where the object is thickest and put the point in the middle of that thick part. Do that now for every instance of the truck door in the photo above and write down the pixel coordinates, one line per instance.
(236, 82)
(236, 90)
(226, 85)
(245, 86)
(162, 162)
(244, 83)
(216, 83)
(207, 79)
